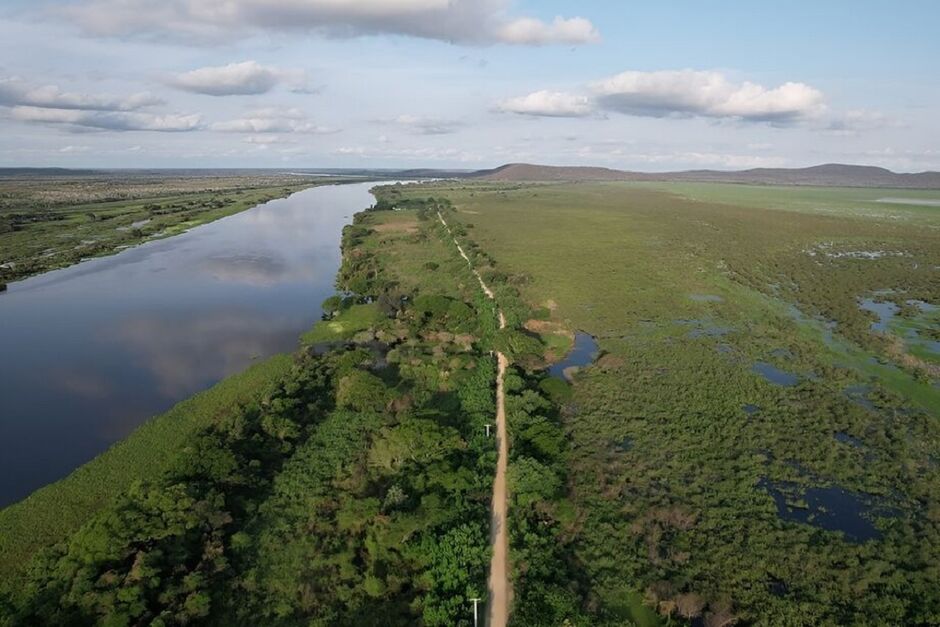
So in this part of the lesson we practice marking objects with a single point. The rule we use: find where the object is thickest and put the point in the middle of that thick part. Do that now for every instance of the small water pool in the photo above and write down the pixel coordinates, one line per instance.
(583, 353)
(775, 375)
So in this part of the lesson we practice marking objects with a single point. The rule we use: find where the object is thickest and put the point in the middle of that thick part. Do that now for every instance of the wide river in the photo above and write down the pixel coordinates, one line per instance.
(89, 352)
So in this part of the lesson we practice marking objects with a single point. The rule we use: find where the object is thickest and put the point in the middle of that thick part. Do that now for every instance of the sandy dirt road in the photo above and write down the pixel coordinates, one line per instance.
(500, 590)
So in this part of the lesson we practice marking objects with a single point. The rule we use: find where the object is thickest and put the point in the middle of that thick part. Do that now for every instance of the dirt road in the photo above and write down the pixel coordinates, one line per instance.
(500, 590)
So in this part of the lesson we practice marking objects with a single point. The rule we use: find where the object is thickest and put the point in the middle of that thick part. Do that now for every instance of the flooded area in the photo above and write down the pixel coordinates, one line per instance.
(92, 351)
(832, 508)
(917, 326)
(775, 375)
(583, 353)
(885, 311)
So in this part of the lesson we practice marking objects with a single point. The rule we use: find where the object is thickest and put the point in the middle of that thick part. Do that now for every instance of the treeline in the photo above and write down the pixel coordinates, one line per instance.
(161, 554)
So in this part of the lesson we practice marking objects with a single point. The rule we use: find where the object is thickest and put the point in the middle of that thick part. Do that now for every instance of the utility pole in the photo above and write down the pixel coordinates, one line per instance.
(488, 429)
(475, 601)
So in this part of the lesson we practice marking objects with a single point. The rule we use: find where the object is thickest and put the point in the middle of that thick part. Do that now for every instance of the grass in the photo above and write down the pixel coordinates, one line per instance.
(51, 513)
(344, 326)
(681, 514)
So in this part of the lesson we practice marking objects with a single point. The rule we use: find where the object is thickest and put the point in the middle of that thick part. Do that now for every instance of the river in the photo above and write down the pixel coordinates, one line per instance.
(92, 351)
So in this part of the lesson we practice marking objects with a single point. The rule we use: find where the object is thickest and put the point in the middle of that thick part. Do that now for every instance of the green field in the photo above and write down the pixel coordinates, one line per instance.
(675, 437)
(49, 223)
(750, 445)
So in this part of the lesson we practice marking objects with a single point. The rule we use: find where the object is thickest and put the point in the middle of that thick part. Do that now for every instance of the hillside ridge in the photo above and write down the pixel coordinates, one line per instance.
(828, 174)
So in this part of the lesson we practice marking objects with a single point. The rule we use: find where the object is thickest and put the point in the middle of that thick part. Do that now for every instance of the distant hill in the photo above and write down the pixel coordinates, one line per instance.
(530, 172)
(833, 174)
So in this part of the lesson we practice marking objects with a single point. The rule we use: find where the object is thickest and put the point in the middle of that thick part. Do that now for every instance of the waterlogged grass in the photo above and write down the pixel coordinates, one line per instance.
(681, 516)
(52, 513)
(892, 204)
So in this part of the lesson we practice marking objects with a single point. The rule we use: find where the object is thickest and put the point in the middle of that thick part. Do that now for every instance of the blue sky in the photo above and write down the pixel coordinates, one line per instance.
(468, 83)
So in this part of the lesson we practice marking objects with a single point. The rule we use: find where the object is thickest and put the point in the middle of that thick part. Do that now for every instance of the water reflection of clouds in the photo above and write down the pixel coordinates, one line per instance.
(183, 353)
(85, 384)
(246, 268)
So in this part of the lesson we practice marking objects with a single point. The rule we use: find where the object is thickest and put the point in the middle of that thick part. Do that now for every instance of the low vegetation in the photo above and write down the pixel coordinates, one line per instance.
(355, 492)
(747, 448)
(691, 480)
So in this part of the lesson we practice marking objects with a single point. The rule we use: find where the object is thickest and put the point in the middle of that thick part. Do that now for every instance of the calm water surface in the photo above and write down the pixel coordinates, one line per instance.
(583, 353)
(92, 351)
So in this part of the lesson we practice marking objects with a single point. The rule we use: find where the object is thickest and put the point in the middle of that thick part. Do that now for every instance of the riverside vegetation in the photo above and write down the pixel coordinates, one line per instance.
(745, 449)
(349, 485)
(53, 221)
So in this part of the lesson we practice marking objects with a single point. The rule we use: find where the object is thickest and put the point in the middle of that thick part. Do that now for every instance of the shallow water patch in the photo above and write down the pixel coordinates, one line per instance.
(775, 375)
(583, 353)
(832, 508)
(884, 310)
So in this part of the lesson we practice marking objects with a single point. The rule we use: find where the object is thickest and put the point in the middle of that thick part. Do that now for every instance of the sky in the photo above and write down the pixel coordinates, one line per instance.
(640, 85)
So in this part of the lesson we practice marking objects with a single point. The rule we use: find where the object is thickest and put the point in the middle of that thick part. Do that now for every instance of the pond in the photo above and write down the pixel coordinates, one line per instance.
(832, 508)
(583, 353)
(92, 351)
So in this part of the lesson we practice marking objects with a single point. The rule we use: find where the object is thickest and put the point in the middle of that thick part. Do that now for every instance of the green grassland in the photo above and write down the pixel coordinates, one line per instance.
(687, 287)
(47, 227)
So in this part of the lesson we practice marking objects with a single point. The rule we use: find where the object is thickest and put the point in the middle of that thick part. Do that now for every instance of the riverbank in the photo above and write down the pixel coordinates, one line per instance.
(380, 439)
(50, 514)
(47, 223)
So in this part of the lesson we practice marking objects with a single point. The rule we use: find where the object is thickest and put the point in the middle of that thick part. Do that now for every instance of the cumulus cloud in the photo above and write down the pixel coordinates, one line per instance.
(271, 120)
(548, 104)
(691, 93)
(677, 94)
(241, 79)
(234, 79)
(15, 91)
(107, 120)
(455, 21)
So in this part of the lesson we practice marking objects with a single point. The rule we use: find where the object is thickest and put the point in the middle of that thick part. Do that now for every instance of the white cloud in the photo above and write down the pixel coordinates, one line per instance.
(234, 79)
(271, 120)
(529, 31)
(241, 79)
(548, 104)
(691, 93)
(454, 21)
(15, 91)
(108, 120)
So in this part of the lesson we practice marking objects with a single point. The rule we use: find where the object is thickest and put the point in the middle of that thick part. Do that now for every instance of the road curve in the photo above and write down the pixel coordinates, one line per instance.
(500, 590)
